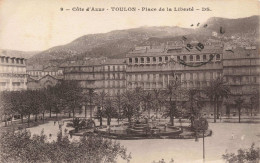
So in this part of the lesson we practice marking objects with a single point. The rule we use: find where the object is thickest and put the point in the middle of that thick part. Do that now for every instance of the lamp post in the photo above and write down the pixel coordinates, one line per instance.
(201, 124)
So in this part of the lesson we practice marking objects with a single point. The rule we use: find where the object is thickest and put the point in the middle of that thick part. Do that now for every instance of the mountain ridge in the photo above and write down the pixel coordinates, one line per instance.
(116, 43)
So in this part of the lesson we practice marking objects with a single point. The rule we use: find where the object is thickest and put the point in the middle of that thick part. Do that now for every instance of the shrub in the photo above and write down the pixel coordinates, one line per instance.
(21, 147)
(251, 155)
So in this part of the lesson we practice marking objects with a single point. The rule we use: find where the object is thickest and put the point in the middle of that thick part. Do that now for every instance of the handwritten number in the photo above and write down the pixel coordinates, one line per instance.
(189, 46)
(200, 45)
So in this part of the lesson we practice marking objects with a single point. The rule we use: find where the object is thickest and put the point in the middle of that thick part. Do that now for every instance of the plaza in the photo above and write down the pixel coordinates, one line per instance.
(226, 137)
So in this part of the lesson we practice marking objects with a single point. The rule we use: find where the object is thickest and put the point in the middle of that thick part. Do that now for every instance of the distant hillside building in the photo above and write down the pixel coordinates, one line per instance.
(12, 73)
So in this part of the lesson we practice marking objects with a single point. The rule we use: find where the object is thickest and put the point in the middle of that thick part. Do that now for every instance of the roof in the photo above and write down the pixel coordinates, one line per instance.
(4, 53)
(239, 52)
(34, 68)
(45, 76)
(114, 62)
(175, 51)
(51, 68)
(89, 62)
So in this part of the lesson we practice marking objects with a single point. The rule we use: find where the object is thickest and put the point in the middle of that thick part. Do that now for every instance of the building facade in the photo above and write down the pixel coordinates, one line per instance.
(114, 75)
(41, 83)
(39, 71)
(12, 73)
(241, 70)
(101, 74)
(154, 67)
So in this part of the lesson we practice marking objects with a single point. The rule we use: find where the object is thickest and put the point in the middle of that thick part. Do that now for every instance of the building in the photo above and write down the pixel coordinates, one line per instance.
(12, 73)
(101, 74)
(241, 69)
(114, 72)
(39, 71)
(153, 68)
(43, 82)
(89, 73)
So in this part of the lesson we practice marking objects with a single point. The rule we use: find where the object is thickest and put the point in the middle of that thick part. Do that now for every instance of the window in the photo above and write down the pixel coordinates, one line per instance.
(160, 59)
(130, 60)
(12, 60)
(136, 60)
(6, 59)
(148, 60)
(191, 76)
(191, 58)
(142, 60)
(197, 58)
(178, 58)
(21, 61)
(114, 68)
(184, 58)
(154, 59)
(211, 56)
(204, 57)
(166, 58)
(217, 57)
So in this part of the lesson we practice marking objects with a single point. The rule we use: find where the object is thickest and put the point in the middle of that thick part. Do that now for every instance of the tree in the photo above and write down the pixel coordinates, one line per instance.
(216, 91)
(239, 102)
(251, 155)
(100, 102)
(194, 104)
(92, 96)
(32, 103)
(77, 124)
(109, 110)
(173, 91)
(158, 100)
(6, 104)
(254, 102)
(70, 93)
(130, 105)
(118, 105)
(147, 100)
(85, 99)
(21, 147)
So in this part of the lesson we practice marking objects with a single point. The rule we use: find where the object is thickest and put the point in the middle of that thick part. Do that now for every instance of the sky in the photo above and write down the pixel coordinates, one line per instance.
(36, 25)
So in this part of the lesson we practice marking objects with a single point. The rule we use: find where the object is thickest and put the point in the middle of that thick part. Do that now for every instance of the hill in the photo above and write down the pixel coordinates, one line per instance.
(116, 44)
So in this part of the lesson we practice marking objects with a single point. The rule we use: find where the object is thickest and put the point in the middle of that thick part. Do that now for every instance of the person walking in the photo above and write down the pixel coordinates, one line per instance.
(232, 136)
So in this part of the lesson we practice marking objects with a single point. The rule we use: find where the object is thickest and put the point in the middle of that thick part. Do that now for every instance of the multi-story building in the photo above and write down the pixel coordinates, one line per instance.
(241, 70)
(39, 71)
(12, 73)
(102, 74)
(43, 82)
(114, 71)
(89, 73)
(152, 68)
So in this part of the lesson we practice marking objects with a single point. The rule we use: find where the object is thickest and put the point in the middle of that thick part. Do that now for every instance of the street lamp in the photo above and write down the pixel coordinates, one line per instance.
(201, 124)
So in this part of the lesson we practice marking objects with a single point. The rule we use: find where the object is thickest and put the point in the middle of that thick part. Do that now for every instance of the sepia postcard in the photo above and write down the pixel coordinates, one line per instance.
(129, 81)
